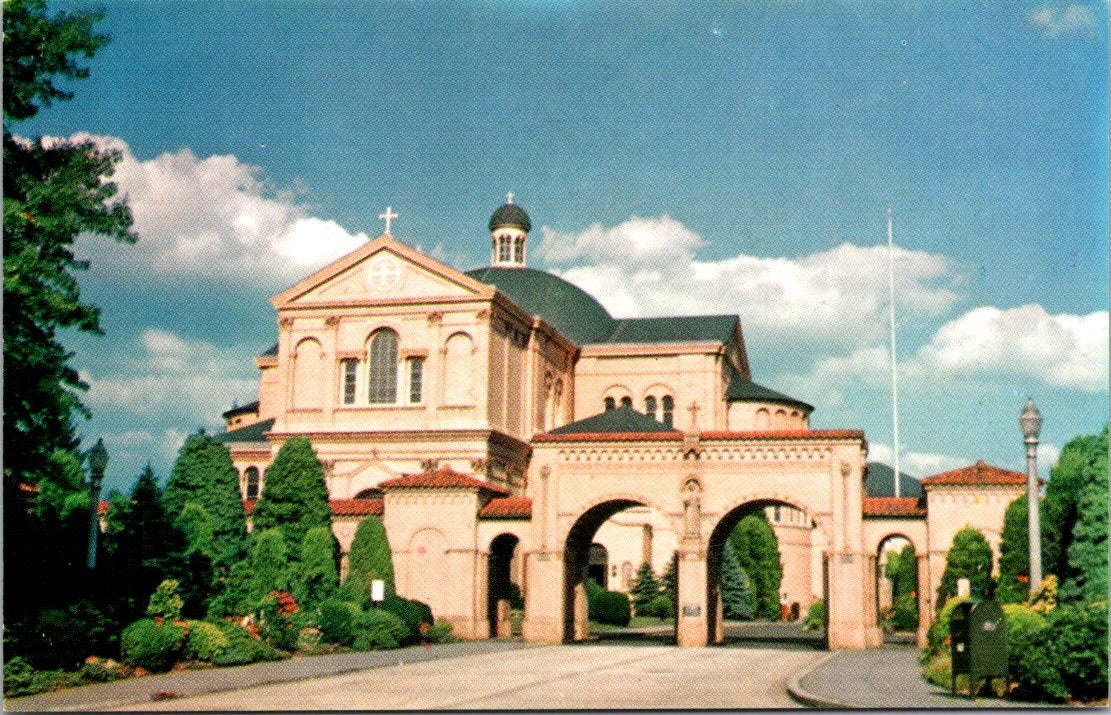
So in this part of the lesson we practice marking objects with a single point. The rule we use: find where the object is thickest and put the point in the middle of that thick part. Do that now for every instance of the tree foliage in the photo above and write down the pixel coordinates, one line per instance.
(53, 191)
(369, 558)
(645, 586)
(294, 495)
(758, 554)
(1014, 553)
(969, 557)
(203, 474)
(1087, 553)
(1062, 497)
(317, 578)
(737, 599)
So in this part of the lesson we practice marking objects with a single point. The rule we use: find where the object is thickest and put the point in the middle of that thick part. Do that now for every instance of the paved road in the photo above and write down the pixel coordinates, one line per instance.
(546, 677)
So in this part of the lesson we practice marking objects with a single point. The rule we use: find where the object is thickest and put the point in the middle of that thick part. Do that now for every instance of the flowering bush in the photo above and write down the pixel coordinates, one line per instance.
(151, 646)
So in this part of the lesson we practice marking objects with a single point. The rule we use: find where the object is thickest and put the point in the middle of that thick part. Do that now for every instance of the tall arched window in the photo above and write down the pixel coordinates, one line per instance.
(459, 374)
(251, 483)
(382, 373)
(626, 401)
(308, 374)
(610, 404)
(668, 417)
(650, 406)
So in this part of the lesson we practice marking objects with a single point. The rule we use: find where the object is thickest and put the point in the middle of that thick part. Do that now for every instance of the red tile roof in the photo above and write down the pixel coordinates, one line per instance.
(507, 508)
(893, 506)
(678, 436)
(356, 507)
(340, 507)
(977, 474)
(439, 479)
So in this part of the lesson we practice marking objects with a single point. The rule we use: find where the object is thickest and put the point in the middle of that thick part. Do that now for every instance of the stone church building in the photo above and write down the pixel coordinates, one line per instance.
(508, 429)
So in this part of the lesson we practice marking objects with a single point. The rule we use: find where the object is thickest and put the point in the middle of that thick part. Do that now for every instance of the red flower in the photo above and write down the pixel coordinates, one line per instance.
(287, 606)
(1022, 578)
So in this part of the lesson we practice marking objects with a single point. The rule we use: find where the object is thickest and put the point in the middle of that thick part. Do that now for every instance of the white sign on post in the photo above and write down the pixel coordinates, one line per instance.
(377, 590)
(964, 588)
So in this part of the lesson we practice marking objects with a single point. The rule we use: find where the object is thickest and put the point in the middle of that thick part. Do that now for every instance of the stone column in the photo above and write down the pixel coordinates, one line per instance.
(543, 620)
(690, 611)
(925, 599)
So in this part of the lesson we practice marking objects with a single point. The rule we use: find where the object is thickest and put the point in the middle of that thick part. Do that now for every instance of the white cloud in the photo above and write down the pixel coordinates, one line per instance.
(1056, 21)
(135, 448)
(646, 267)
(1067, 351)
(214, 218)
(191, 380)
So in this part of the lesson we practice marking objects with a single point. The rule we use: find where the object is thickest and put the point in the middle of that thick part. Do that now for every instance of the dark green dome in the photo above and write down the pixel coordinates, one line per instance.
(564, 306)
(510, 214)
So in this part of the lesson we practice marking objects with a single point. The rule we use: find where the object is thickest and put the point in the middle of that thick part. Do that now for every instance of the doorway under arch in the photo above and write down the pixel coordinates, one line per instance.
(781, 622)
(500, 585)
(898, 596)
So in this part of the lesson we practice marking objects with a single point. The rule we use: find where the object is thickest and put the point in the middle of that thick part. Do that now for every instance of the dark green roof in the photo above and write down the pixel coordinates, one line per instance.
(742, 390)
(510, 215)
(619, 420)
(250, 433)
(879, 481)
(681, 329)
(573, 312)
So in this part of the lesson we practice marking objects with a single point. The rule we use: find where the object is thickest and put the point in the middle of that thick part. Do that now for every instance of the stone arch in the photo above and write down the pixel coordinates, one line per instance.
(499, 581)
(726, 520)
(577, 542)
(308, 375)
(921, 588)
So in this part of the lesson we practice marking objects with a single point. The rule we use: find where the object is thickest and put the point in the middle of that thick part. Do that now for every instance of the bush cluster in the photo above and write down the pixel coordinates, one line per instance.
(243, 648)
(661, 607)
(20, 678)
(816, 616)
(1064, 660)
(148, 645)
(609, 607)
(379, 629)
(205, 642)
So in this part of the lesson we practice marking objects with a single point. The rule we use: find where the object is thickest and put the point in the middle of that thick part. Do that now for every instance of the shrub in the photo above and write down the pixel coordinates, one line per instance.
(165, 602)
(206, 641)
(439, 632)
(938, 668)
(1077, 639)
(22, 679)
(412, 613)
(379, 629)
(337, 622)
(905, 615)
(1024, 624)
(317, 578)
(370, 555)
(62, 638)
(937, 637)
(816, 616)
(151, 646)
(243, 648)
(661, 607)
(276, 623)
(610, 607)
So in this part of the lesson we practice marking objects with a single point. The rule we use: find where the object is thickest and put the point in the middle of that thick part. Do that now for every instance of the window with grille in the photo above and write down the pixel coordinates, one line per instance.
(350, 375)
(382, 373)
(416, 379)
(669, 410)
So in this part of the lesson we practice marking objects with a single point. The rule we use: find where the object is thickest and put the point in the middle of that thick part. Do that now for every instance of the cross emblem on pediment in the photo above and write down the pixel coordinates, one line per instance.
(383, 273)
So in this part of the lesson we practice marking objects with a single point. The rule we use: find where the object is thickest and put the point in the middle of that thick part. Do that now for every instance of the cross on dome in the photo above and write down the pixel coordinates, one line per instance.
(509, 197)
(388, 217)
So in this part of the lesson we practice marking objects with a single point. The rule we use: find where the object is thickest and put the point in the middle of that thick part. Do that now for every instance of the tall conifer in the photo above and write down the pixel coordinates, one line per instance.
(294, 495)
(758, 554)
(370, 558)
(736, 587)
(969, 557)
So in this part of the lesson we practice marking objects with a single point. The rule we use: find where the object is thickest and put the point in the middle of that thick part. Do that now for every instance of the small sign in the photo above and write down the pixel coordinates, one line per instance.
(377, 590)
(690, 611)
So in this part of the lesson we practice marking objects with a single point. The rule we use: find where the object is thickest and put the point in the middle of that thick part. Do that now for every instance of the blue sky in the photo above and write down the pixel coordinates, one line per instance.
(675, 158)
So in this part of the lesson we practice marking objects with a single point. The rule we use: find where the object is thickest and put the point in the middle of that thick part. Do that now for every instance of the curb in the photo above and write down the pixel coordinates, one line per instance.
(810, 700)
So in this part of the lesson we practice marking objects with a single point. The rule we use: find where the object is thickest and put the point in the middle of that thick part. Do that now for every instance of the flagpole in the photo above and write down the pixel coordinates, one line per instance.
(894, 360)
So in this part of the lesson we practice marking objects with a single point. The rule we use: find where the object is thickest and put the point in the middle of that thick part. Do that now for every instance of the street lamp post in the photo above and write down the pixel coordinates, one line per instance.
(98, 462)
(1031, 422)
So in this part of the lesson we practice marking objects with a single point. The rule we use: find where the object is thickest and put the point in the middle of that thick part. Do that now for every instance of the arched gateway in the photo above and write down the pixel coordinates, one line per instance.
(703, 483)
(495, 419)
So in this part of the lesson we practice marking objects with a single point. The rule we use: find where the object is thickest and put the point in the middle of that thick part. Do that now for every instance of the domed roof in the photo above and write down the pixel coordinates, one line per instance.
(510, 214)
(573, 312)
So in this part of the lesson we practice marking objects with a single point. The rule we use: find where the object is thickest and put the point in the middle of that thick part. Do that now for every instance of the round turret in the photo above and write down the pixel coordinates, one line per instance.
(509, 227)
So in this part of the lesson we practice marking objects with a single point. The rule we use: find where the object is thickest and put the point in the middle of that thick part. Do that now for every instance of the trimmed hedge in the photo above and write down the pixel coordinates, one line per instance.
(205, 642)
(379, 629)
(244, 648)
(148, 645)
(609, 607)
(412, 613)
(337, 621)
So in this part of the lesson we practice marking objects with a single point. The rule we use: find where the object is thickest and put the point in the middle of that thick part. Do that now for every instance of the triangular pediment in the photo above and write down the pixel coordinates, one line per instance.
(381, 271)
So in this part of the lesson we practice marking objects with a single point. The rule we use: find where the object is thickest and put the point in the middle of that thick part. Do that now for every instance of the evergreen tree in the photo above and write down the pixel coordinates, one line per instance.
(1060, 505)
(269, 567)
(736, 586)
(317, 578)
(1087, 554)
(1014, 553)
(204, 474)
(194, 565)
(369, 557)
(645, 586)
(969, 557)
(667, 580)
(294, 495)
(138, 540)
(758, 554)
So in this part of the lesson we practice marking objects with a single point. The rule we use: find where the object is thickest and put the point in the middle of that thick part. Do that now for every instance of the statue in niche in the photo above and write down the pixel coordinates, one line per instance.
(692, 509)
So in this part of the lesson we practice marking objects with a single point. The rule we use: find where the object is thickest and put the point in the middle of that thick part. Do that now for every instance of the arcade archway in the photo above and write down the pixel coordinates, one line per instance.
(501, 585)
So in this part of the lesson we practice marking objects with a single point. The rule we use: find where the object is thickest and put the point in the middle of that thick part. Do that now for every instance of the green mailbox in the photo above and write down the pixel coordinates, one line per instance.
(978, 642)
